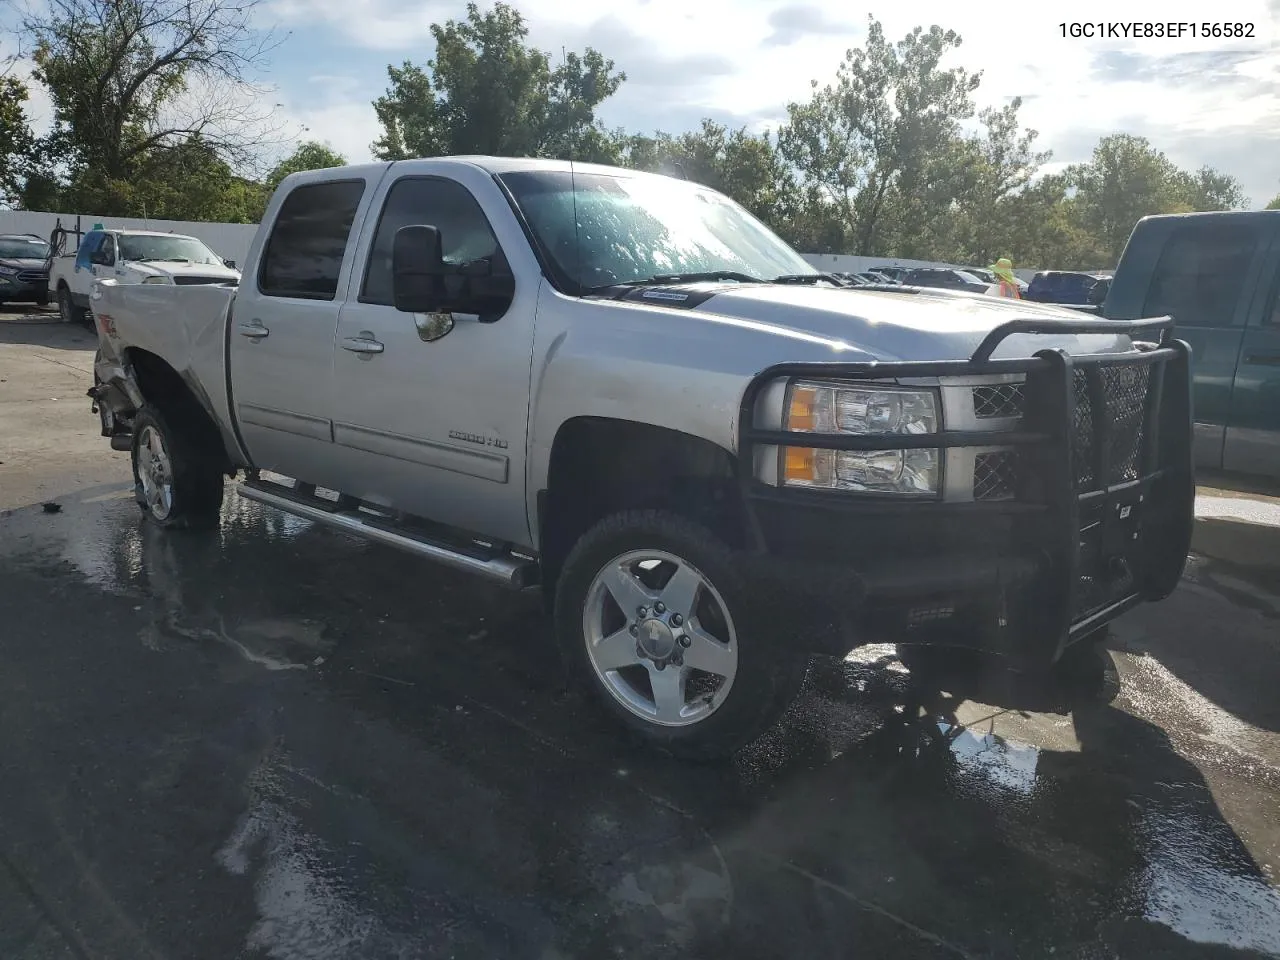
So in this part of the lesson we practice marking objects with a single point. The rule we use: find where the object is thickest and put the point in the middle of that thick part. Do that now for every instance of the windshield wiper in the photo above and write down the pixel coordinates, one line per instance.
(809, 278)
(679, 278)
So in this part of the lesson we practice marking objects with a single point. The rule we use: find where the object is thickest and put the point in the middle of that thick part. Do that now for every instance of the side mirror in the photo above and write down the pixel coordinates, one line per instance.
(229, 264)
(418, 270)
(424, 282)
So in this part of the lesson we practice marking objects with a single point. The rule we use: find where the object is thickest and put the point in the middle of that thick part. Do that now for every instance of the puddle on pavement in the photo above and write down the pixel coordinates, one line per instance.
(1193, 876)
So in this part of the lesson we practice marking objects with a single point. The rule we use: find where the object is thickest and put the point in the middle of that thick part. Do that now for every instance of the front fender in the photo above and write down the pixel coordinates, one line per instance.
(660, 366)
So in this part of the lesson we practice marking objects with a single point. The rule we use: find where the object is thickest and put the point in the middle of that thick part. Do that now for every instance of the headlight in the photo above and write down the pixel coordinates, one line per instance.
(863, 411)
(8, 271)
(155, 279)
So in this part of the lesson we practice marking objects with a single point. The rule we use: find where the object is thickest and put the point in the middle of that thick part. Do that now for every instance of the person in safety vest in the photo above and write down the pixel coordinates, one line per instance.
(1008, 285)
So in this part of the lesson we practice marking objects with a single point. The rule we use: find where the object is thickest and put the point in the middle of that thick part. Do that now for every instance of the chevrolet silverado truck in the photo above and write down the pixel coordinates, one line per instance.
(131, 256)
(623, 390)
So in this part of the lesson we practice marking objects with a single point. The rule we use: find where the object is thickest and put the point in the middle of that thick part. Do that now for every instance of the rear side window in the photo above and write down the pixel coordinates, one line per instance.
(303, 255)
(465, 233)
(1201, 272)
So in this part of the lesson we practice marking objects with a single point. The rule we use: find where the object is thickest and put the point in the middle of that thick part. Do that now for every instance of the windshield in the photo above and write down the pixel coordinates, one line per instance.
(635, 228)
(166, 248)
(19, 249)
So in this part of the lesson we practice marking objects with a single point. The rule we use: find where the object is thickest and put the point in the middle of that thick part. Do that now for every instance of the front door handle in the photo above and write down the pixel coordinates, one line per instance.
(1263, 359)
(254, 330)
(363, 344)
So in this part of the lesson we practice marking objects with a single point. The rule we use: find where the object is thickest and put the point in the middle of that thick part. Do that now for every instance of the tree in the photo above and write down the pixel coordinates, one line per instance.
(17, 142)
(1126, 180)
(488, 92)
(1208, 189)
(995, 168)
(740, 164)
(1275, 203)
(891, 109)
(309, 156)
(131, 77)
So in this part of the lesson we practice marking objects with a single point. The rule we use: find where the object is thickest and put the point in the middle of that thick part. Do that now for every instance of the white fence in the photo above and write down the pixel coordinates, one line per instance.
(228, 240)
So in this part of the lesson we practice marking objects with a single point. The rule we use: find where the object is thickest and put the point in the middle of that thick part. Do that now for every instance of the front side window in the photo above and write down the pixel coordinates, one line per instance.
(600, 229)
(303, 255)
(1201, 274)
(465, 234)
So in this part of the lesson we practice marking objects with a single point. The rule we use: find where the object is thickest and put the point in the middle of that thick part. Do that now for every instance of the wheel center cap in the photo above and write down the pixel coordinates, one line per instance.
(656, 639)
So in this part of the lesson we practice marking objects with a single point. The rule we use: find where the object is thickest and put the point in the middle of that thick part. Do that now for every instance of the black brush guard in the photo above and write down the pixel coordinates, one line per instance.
(1093, 505)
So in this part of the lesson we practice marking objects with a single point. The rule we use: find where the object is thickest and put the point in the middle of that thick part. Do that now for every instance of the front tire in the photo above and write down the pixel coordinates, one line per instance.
(174, 483)
(652, 613)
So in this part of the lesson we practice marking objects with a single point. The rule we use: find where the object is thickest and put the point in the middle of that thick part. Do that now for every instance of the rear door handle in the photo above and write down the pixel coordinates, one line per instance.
(254, 330)
(1263, 359)
(364, 344)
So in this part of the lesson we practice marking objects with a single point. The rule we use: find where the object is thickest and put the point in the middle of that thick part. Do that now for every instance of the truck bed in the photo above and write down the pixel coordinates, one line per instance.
(186, 326)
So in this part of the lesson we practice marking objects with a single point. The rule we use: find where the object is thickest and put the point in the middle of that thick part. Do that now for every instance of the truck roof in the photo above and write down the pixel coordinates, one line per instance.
(131, 232)
(491, 165)
(1218, 214)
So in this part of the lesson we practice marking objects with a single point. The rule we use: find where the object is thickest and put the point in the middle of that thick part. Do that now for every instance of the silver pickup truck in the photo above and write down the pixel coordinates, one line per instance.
(623, 390)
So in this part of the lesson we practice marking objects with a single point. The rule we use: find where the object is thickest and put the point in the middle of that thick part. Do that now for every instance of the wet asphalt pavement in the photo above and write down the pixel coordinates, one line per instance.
(278, 741)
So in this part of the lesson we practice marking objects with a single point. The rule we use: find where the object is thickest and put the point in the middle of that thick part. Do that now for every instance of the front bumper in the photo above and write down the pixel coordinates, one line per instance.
(22, 289)
(1095, 516)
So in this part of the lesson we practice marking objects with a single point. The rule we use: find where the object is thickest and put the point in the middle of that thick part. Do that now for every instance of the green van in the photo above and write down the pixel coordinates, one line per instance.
(1218, 276)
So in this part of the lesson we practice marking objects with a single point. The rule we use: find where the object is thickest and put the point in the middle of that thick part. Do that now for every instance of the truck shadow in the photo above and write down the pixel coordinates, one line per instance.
(882, 810)
(1217, 633)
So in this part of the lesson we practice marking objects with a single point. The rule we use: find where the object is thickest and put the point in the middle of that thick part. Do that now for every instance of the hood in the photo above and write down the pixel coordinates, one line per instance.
(185, 268)
(923, 325)
(23, 263)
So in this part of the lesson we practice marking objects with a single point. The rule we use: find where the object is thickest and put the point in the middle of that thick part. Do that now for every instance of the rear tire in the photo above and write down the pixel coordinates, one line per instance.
(714, 693)
(67, 308)
(175, 483)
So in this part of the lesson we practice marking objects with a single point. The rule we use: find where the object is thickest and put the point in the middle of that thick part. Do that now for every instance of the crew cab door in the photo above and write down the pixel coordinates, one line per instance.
(437, 427)
(1253, 432)
(282, 327)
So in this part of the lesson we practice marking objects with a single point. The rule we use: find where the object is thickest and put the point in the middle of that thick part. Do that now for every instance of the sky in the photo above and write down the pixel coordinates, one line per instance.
(740, 62)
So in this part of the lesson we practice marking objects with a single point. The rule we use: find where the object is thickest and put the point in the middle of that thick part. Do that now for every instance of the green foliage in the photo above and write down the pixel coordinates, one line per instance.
(488, 92)
(309, 156)
(1275, 203)
(17, 143)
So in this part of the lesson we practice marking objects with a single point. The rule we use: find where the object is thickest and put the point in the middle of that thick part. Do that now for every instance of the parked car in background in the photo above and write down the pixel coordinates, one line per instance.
(1068, 287)
(24, 269)
(132, 256)
(1218, 276)
(893, 273)
(873, 276)
(944, 279)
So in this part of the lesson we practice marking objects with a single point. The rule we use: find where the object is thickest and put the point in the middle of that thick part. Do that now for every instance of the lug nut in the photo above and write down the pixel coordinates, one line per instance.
(643, 611)
(634, 629)
(659, 607)
(661, 665)
(685, 641)
(676, 620)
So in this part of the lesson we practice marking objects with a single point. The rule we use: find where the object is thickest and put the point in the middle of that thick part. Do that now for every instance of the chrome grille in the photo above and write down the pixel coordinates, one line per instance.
(187, 280)
(33, 276)
(998, 400)
(995, 475)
